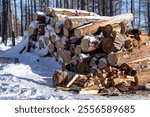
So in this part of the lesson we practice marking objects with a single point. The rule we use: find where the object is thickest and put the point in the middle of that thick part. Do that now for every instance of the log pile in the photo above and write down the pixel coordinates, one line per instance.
(105, 55)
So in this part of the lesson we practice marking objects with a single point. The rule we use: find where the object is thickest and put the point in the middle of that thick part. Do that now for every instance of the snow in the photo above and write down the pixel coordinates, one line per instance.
(32, 78)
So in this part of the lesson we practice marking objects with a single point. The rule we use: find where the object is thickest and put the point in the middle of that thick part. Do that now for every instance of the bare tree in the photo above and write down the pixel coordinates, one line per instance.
(5, 21)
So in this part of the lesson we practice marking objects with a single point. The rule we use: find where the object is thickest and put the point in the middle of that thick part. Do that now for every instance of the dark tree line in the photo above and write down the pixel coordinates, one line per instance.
(16, 15)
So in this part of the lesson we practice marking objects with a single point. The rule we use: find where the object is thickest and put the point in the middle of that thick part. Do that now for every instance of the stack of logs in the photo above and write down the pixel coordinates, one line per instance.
(105, 55)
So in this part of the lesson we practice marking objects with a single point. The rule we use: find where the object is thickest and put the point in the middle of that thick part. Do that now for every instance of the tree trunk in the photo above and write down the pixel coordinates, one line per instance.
(117, 59)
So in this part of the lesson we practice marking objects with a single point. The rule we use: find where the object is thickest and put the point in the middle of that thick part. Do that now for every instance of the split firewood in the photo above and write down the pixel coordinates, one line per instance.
(142, 78)
(116, 59)
(62, 89)
(60, 78)
(74, 77)
(85, 92)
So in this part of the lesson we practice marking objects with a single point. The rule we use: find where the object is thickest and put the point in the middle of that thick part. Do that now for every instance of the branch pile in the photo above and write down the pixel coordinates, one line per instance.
(105, 55)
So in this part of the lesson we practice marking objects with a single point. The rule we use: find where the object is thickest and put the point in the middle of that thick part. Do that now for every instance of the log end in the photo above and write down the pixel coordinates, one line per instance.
(68, 24)
(84, 45)
(77, 33)
(112, 60)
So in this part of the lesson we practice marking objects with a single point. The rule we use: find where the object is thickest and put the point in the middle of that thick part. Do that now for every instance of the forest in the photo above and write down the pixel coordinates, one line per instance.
(16, 15)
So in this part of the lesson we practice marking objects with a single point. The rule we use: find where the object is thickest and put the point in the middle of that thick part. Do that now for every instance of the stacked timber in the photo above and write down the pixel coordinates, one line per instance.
(105, 55)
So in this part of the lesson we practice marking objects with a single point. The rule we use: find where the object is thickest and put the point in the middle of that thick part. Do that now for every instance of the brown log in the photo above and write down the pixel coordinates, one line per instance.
(94, 26)
(74, 22)
(60, 78)
(71, 12)
(73, 39)
(107, 30)
(108, 45)
(116, 59)
(142, 78)
(39, 16)
(89, 44)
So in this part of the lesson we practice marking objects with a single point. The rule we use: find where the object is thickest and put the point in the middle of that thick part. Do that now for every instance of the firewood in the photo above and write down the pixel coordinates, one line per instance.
(89, 44)
(116, 59)
(62, 89)
(72, 48)
(128, 81)
(39, 16)
(142, 78)
(74, 77)
(75, 88)
(58, 43)
(60, 78)
(84, 92)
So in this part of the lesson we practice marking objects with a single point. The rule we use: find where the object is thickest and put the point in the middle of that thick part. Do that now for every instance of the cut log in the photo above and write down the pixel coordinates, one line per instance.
(41, 44)
(74, 77)
(47, 41)
(69, 12)
(51, 48)
(60, 78)
(74, 22)
(107, 30)
(67, 56)
(116, 59)
(67, 32)
(94, 26)
(77, 50)
(108, 45)
(142, 78)
(39, 16)
(89, 44)
(54, 37)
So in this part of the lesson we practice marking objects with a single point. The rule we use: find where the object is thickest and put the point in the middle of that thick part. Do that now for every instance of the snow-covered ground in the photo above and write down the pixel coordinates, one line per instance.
(32, 78)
